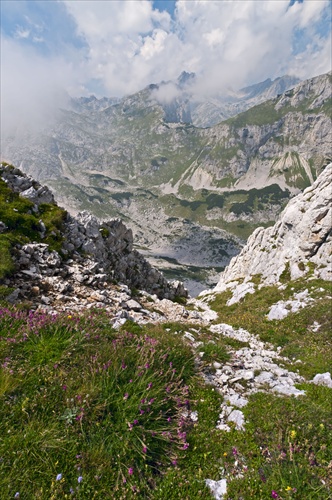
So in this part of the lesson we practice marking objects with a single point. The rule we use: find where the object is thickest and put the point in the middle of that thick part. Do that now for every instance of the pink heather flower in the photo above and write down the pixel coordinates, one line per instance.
(147, 366)
(124, 480)
(126, 396)
(123, 366)
(145, 449)
(135, 422)
(142, 412)
(149, 385)
(169, 419)
(64, 387)
(130, 471)
(174, 462)
(274, 494)
(185, 446)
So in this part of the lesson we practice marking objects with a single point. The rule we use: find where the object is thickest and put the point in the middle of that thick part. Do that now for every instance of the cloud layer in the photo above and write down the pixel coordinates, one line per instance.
(118, 47)
(237, 42)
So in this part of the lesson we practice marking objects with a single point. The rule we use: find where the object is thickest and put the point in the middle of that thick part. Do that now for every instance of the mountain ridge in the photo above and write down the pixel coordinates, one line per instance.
(126, 161)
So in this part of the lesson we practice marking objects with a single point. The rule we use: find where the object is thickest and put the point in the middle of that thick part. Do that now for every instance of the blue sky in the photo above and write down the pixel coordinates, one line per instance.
(50, 48)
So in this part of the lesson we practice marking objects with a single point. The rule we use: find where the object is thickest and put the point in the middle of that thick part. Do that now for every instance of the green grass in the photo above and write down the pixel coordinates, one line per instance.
(82, 400)
(293, 333)
(23, 225)
(79, 399)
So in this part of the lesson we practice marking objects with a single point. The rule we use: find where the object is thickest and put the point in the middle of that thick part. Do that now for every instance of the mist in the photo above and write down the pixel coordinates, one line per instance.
(117, 48)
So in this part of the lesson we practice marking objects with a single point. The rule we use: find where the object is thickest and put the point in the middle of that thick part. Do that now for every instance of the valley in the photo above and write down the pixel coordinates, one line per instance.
(191, 195)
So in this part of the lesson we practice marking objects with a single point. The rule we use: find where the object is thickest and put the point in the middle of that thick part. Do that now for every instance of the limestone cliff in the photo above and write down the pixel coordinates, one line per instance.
(299, 243)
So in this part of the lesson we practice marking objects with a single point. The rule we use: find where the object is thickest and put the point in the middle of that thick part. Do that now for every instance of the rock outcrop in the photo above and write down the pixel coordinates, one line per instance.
(300, 242)
(93, 255)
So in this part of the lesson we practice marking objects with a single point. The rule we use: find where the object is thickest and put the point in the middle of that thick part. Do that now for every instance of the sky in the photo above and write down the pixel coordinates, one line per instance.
(113, 48)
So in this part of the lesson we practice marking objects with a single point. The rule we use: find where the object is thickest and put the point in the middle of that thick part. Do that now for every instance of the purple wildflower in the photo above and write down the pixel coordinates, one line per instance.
(274, 494)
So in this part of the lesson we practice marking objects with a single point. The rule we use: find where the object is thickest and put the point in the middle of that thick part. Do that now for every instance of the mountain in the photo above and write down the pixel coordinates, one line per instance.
(174, 184)
(108, 388)
(209, 112)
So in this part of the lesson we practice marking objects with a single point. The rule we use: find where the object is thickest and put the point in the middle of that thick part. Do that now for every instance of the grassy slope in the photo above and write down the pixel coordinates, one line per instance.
(72, 390)
(23, 225)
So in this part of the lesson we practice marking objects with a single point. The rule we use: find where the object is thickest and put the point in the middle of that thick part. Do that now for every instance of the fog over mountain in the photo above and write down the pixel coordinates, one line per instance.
(52, 49)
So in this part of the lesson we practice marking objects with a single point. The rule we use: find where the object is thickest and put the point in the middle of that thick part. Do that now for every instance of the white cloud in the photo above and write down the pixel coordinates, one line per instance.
(22, 33)
(32, 88)
(153, 44)
(129, 45)
(166, 92)
(227, 43)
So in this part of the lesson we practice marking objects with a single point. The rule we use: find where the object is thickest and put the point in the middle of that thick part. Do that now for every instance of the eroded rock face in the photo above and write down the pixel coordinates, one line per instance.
(300, 241)
(26, 186)
(92, 253)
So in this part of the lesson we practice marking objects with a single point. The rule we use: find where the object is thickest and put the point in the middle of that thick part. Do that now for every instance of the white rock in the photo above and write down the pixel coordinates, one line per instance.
(238, 418)
(237, 400)
(194, 416)
(240, 292)
(218, 488)
(323, 379)
(288, 390)
(264, 377)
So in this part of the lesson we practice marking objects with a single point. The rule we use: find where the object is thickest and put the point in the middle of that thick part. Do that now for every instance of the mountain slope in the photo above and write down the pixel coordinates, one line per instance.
(171, 180)
(299, 244)
(44, 244)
